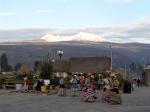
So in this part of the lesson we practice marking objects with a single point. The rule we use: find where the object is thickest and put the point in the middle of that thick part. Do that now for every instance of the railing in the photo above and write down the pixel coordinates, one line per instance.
(12, 85)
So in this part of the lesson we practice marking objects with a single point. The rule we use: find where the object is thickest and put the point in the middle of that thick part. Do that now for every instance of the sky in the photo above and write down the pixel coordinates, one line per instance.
(125, 20)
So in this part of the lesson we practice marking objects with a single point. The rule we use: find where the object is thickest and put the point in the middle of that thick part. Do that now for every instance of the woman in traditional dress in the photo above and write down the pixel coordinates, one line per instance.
(115, 94)
(106, 87)
(88, 94)
(74, 85)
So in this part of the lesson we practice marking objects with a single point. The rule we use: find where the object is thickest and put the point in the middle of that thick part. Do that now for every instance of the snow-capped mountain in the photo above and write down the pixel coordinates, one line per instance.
(77, 37)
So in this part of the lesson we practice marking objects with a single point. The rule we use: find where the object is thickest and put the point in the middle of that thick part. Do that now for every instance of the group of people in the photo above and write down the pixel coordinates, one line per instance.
(76, 82)
(129, 85)
(87, 88)
(111, 93)
(135, 82)
(80, 83)
(108, 85)
(39, 85)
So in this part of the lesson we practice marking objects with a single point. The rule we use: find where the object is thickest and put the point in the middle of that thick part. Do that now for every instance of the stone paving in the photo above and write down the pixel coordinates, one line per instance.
(138, 101)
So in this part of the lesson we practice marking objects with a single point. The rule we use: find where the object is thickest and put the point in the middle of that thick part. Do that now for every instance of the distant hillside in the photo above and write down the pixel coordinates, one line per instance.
(28, 52)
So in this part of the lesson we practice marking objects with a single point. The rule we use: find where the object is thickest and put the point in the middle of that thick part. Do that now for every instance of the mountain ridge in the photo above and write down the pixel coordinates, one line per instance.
(30, 51)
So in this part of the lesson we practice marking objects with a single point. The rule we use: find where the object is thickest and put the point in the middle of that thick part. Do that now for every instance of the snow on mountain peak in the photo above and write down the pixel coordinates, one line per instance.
(78, 37)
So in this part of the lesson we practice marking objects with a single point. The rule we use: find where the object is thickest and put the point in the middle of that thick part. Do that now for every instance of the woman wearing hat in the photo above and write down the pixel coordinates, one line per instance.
(106, 87)
(115, 94)
(74, 85)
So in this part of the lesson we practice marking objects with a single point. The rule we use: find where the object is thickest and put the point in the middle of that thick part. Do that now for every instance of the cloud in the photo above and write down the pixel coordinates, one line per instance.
(7, 13)
(119, 1)
(22, 34)
(135, 32)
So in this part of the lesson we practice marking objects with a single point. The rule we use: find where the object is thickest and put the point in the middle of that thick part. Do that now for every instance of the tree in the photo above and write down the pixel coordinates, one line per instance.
(46, 70)
(25, 69)
(4, 62)
(9, 68)
(37, 65)
(17, 66)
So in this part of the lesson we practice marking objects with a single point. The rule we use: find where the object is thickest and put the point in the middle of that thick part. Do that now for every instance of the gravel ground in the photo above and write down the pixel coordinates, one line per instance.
(138, 101)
